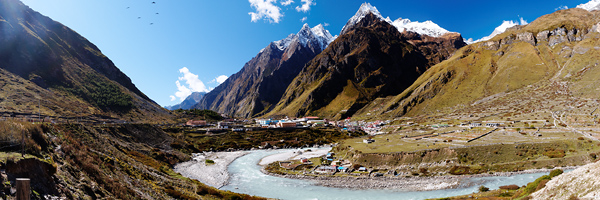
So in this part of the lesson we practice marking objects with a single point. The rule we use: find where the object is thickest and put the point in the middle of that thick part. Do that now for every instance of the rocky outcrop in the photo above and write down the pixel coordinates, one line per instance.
(526, 37)
(40, 173)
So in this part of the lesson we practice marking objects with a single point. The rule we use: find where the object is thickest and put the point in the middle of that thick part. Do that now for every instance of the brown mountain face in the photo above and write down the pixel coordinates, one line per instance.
(370, 60)
(43, 62)
(262, 81)
(544, 66)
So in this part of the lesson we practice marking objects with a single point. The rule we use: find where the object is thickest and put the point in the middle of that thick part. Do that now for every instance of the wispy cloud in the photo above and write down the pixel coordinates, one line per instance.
(325, 24)
(523, 22)
(287, 2)
(305, 6)
(303, 19)
(265, 9)
(562, 7)
(193, 85)
(221, 79)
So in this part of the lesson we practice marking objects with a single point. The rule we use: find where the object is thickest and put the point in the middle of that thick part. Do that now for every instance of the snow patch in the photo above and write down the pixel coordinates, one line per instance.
(499, 30)
(424, 28)
(317, 35)
(363, 11)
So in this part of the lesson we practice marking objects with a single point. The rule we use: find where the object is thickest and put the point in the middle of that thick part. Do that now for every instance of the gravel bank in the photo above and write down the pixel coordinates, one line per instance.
(294, 155)
(216, 174)
(402, 183)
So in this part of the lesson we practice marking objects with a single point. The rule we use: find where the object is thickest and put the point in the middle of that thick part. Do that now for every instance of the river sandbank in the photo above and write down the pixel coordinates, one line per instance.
(215, 175)
(294, 155)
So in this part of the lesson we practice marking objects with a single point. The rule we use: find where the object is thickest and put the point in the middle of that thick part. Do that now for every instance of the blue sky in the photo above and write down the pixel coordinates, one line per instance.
(196, 41)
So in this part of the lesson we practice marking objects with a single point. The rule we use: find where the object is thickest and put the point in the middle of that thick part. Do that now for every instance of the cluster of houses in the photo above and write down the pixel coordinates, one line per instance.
(372, 128)
(329, 165)
(292, 123)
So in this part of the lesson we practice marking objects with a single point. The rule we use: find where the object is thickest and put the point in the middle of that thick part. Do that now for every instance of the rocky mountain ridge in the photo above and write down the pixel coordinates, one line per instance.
(262, 80)
(372, 59)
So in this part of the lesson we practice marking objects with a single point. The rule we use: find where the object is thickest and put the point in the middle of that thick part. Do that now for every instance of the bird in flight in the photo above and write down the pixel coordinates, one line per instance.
(154, 2)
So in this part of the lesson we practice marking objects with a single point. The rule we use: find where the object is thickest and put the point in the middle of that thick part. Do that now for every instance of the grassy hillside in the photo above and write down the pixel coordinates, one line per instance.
(46, 64)
(121, 162)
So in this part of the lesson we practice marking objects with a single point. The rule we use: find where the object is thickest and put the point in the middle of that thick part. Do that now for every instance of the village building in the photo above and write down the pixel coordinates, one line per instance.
(288, 124)
(224, 125)
(368, 141)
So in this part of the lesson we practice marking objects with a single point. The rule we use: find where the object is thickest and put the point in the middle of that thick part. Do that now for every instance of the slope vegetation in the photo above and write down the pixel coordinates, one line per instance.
(44, 62)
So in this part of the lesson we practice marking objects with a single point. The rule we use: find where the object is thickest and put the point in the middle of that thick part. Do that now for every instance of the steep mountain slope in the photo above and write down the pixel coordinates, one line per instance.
(189, 101)
(369, 60)
(43, 62)
(554, 55)
(260, 84)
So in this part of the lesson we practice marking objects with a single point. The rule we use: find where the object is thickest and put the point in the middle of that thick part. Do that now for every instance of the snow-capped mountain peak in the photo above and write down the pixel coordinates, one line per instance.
(285, 42)
(323, 36)
(590, 6)
(424, 28)
(363, 11)
(317, 35)
(498, 30)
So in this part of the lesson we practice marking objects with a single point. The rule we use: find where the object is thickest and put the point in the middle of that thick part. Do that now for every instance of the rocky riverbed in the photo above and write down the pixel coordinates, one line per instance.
(213, 174)
(414, 183)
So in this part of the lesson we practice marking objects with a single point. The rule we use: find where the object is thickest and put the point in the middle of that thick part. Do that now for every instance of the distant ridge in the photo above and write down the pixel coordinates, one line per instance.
(189, 101)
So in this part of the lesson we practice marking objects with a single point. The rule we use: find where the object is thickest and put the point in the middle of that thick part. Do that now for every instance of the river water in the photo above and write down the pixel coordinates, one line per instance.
(247, 178)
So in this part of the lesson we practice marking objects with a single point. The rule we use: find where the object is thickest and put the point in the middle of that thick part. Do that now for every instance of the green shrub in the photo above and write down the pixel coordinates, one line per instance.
(555, 153)
(509, 187)
(209, 162)
(531, 187)
(555, 173)
(483, 189)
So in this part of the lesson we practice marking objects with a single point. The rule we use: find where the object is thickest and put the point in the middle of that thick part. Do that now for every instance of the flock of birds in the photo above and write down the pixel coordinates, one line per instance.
(151, 23)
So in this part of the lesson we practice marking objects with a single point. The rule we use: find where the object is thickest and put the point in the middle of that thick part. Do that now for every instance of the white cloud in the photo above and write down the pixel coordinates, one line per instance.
(303, 19)
(221, 79)
(193, 85)
(523, 22)
(326, 24)
(287, 2)
(265, 9)
(590, 6)
(305, 5)
(562, 7)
